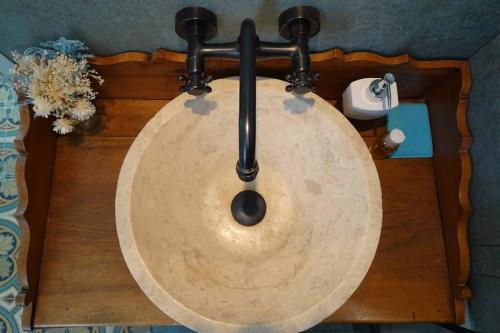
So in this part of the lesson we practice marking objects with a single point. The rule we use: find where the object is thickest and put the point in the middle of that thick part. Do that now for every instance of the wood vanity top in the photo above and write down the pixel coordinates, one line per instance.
(84, 279)
(71, 269)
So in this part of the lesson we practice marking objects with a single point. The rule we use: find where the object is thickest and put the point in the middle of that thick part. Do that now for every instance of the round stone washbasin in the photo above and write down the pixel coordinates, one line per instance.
(287, 273)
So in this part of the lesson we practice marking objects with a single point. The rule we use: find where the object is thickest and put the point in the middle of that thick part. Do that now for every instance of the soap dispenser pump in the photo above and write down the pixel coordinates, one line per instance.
(381, 88)
(370, 98)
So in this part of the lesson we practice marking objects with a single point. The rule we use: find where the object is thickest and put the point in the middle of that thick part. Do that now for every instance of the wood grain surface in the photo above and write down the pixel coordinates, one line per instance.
(85, 281)
(36, 146)
(447, 105)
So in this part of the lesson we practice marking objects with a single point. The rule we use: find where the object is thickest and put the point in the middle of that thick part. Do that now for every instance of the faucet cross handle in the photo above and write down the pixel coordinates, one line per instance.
(196, 84)
(301, 82)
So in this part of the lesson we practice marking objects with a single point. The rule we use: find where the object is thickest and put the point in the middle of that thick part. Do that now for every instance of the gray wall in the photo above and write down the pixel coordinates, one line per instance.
(423, 28)
(484, 227)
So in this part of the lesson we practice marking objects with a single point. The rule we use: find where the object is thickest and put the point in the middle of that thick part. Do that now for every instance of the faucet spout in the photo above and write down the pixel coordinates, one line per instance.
(247, 166)
(297, 24)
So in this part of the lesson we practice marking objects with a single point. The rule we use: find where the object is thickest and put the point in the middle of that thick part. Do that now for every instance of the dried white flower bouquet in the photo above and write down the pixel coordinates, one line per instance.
(56, 79)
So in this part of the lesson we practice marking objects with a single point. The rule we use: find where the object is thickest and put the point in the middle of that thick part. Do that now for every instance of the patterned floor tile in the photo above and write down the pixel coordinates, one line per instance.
(9, 112)
(10, 317)
(112, 329)
(10, 314)
(8, 188)
(170, 329)
(9, 246)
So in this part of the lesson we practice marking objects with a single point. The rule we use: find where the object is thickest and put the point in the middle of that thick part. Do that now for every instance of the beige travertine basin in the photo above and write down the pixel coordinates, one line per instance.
(203, 269)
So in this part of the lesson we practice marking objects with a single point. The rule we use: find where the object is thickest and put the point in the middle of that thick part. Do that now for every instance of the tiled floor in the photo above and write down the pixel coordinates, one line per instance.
(10, 314)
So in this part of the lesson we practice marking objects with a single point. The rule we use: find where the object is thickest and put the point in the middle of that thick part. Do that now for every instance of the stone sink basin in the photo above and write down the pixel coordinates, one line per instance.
(287, 273)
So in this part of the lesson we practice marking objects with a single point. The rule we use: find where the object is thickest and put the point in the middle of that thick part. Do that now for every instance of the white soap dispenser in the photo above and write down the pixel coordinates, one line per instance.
(370, 98)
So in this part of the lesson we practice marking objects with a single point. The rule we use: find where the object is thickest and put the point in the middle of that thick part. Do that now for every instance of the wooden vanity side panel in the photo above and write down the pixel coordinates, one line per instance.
(36, 146)
(447, 105)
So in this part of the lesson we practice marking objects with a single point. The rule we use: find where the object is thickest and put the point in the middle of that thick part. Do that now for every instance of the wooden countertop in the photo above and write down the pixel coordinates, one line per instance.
(84, 279)
(70, 268)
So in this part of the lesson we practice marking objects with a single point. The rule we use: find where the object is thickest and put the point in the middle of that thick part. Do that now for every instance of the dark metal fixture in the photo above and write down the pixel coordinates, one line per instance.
(248, 207)
(197, 25)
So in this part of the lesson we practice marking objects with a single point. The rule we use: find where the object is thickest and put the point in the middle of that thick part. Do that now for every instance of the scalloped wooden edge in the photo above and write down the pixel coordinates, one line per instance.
(28, 253)
(23, 298)
(157, 55)
(333, 54)
(462, 290)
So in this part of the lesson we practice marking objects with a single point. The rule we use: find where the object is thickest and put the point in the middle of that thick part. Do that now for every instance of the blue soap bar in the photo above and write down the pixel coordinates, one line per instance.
(413, 120)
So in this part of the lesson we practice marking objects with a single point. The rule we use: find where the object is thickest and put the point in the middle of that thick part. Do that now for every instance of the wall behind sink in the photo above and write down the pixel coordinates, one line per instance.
(424, 28)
